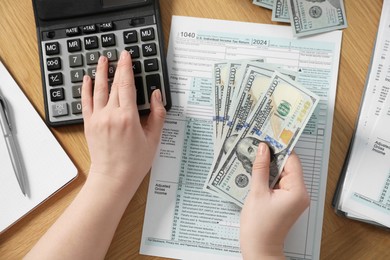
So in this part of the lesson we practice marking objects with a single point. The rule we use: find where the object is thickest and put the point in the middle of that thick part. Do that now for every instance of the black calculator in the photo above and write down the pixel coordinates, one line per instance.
(72, 34)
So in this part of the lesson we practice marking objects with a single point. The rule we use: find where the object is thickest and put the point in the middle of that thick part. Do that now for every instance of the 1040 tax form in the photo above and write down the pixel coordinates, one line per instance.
(183, 221)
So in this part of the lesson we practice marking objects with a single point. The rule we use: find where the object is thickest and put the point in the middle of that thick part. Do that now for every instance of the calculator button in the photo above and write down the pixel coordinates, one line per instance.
(149, 49)
(72, 31)
(92, 72)
(91, 42)
(151, 65)
(52, 48)
(53, 63)
(137, 67)
(76, 107)
(89, 28)
(152, 83)
(76, 91)
(147, 34)
(76, 75)
(104, 27)
(139, 85)
(55, 79)
(111, 70)
(134, 51)
(74, 45)
(60, 109)
(108, 40)
(130, 36)
(57, 94)
(111, 55)
(92, 57)
(76, 60)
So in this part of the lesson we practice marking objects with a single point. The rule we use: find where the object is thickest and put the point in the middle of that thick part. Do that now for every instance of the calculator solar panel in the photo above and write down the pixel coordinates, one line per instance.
(71, 48)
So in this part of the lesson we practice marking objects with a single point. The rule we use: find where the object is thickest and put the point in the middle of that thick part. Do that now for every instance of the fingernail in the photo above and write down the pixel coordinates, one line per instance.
(262, 148)
(102, 59)
(85, 78)
(157, 96)
(124, 54)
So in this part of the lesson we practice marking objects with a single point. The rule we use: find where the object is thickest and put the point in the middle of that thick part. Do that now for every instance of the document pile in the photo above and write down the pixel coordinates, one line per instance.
(254, 102)
(307, 17)
(363, 192)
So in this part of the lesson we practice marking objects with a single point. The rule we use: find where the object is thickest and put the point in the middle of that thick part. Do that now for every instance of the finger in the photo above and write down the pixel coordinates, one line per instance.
(126, 90)
(123, 87)
(100, 95)
(292, 175)
(156, 117)
(86, 97)
(260, 170)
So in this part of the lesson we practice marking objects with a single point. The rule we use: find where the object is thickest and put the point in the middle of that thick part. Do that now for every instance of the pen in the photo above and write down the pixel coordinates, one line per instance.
(5, 122)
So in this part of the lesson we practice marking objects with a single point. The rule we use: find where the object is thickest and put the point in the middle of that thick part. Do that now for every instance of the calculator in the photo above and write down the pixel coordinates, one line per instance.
(72, 34)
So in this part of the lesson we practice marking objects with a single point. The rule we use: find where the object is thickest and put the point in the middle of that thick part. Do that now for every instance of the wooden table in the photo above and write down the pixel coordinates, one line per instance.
(341, 238)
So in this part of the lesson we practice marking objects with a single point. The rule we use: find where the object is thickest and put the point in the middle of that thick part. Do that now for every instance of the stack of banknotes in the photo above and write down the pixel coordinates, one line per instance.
(254, 102)
(307, 17)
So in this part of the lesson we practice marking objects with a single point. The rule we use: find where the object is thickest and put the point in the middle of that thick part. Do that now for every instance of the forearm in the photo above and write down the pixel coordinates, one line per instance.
(86, 228)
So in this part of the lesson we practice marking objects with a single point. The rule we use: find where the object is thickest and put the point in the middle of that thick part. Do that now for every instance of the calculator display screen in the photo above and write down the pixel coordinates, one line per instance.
(114, 3)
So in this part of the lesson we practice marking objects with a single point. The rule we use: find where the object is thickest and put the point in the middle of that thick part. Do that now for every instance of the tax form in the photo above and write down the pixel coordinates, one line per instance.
(183, 221)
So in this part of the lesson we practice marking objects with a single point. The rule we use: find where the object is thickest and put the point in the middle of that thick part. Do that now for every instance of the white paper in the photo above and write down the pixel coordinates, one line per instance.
(47, 166)
(374, 96)
(365, 192)
(181, 220)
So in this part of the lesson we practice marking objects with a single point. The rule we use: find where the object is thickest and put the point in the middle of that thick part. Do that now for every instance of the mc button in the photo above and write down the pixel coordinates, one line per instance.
(52, 48)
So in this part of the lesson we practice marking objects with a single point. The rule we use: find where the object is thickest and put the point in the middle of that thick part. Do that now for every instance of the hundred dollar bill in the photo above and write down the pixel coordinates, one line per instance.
(238, 113)
(277, 119)
(316, 16)
(280, 11)
(255, 84)
(237, 69)
(248, 94)
(220, 73)
(264, 3)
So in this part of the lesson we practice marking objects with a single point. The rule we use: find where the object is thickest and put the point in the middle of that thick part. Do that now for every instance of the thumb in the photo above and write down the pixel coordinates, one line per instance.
(260, 170)
(156, 117)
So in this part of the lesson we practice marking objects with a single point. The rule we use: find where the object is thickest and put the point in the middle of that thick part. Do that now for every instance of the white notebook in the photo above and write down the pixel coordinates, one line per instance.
(47, 167)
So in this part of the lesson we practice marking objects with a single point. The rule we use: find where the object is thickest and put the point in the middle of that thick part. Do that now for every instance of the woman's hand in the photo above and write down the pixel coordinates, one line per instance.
(268, 214)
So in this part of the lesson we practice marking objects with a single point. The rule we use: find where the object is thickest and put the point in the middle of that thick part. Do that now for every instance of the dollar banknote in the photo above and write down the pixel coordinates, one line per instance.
(264, 3)
(278, 119)
(316, 16)
(252, 88)
(236, 70)
(221, 73)
(254, 76)
(280, 11)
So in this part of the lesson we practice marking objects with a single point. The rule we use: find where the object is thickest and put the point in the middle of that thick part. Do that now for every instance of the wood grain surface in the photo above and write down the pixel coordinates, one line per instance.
(341, 238)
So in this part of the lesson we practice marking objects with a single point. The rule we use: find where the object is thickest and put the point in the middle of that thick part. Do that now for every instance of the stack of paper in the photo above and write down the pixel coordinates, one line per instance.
(364, 187)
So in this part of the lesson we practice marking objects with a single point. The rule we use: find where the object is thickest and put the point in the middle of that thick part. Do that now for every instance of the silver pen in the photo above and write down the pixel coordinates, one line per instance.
(5, 122)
